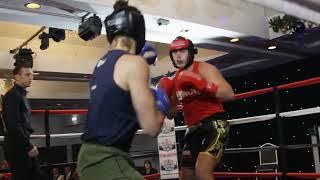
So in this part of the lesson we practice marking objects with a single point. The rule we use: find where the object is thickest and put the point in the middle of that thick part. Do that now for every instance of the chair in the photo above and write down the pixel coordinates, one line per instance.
(268, 159)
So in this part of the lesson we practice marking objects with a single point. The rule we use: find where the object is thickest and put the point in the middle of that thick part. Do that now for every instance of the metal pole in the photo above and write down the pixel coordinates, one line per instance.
(28, 40)
(46, 128)
(283, 167)
(47, 133)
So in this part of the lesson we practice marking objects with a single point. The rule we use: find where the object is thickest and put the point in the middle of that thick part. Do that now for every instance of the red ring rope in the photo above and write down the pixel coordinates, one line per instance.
(252, 174)
(297, 84)
(71, 111)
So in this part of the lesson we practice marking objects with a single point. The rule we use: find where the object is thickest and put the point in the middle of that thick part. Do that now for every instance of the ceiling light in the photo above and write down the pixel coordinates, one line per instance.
(272, 47)
(31, 5)
(184, 30)
(234, 40)
(74, 118)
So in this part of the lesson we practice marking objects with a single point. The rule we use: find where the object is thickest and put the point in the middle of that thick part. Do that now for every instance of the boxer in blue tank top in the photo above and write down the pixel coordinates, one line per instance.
(120, 101)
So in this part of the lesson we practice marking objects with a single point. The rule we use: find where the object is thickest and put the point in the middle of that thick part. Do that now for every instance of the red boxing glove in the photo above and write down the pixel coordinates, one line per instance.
(187, 79)
(6, 176)
(167, 85)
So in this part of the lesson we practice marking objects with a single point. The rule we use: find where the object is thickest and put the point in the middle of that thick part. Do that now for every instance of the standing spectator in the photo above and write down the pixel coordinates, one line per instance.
(19, 151)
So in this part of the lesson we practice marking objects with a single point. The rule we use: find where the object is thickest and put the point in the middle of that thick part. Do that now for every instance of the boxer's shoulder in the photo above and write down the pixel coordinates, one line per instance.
(132, 60)
(203, 66)
(206, 68)
(131, 63)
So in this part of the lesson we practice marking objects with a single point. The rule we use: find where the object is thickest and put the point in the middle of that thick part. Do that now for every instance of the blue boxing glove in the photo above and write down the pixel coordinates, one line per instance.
(149, 53)
(162, 100)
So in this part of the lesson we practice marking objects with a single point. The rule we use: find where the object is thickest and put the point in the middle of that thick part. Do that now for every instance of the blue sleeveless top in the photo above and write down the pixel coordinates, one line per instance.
(111, 119)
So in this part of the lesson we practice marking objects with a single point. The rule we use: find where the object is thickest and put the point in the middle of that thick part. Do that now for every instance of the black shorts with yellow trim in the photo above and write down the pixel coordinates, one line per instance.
(208, 137)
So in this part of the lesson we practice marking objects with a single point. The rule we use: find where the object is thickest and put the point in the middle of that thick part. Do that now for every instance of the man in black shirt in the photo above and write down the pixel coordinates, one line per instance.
(19, 151)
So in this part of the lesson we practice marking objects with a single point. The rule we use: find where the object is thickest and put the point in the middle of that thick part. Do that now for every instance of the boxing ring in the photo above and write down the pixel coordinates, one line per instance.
(276, 116)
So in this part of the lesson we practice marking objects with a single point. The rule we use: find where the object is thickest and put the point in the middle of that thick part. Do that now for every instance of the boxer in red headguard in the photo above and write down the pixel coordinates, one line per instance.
(198, 89)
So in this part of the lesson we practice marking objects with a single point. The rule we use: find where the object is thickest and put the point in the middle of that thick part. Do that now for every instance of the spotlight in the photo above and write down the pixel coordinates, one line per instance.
(24, 57)
(234, 40)
(44, 41)
(57, 34)
(272, 47)
(31, 5)
(162, 22)
(90, 28)
(299, 27)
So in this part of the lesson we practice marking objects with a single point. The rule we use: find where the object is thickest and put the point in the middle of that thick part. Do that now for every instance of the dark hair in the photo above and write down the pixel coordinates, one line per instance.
(147, 162)
(16, 70)
(123, 5)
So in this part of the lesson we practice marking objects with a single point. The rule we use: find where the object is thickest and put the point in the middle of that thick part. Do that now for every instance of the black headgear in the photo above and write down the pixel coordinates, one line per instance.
(183, 43)
(127, 21)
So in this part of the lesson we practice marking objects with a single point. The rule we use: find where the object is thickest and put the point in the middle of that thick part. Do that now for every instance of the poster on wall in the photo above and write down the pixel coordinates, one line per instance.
(168, 159)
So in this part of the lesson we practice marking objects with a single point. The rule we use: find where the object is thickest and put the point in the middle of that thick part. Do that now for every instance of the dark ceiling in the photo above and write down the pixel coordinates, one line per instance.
(250, 54)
